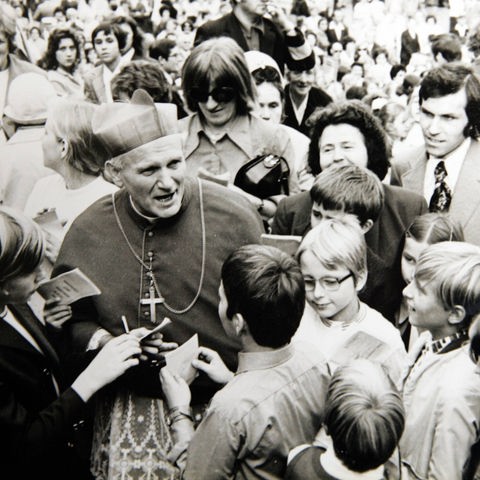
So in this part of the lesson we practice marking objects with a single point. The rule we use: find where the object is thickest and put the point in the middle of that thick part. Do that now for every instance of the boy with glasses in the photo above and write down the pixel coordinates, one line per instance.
(332, 258)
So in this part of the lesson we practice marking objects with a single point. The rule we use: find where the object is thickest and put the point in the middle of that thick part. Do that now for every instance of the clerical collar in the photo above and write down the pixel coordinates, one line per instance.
(139, 213)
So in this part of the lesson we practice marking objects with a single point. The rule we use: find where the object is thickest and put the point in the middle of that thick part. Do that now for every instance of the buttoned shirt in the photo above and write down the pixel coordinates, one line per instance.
(275, 402)
(453, 164)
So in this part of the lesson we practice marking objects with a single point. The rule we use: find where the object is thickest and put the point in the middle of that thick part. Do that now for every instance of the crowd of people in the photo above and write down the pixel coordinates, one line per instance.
(286, 192)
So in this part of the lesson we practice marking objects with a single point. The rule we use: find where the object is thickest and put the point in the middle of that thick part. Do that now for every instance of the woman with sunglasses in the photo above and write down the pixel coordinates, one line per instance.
(222, 134)
(39, 413)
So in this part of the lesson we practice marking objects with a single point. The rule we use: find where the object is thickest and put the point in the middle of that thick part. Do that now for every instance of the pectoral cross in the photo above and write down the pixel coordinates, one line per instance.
(153, 300)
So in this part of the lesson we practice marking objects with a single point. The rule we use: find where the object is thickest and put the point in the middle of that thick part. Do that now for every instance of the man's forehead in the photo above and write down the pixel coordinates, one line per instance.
(451, 103)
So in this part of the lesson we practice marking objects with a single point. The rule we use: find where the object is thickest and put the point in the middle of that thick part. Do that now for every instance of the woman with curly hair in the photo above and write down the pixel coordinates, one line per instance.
(61, 61)
(348, 133)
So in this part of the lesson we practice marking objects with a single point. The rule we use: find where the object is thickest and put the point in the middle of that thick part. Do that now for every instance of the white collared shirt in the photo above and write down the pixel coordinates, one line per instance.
(300, 110)
(453, 164)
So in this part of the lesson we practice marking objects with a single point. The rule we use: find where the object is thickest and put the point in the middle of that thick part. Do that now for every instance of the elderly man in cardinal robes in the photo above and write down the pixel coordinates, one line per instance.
(155, 249)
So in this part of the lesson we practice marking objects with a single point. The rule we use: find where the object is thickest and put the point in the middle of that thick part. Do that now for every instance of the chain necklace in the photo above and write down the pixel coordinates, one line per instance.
(149, 267)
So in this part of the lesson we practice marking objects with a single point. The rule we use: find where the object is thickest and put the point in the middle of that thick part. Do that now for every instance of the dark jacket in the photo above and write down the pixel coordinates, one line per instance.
(37, 425)
(273, 42)
(316, 98)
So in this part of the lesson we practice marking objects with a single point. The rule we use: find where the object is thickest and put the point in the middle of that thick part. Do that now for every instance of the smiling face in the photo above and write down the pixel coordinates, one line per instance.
(154, 176)
(217, 114)
(342, 144)
(340, 305)
(66, 53)
(269, 101)
(301, 82)
(443, 121)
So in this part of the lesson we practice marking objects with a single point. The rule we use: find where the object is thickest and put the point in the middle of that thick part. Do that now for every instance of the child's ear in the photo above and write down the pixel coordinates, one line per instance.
(457, 315)
(367, 225)
(361, 280)
(113, 172)
(239, 324)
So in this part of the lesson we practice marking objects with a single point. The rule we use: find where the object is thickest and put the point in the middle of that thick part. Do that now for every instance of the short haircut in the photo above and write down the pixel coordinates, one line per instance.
(218, 61)
(356, 92)
(452, 269)
(145, 74)
(448, 79)
(351, 189)
(107, 28)
(337, 243)
(388, 113)
(21, 244)
(49, 60)
(364, 415)
(162, 48)
(448, 45)
(434, 228)
(265, 286)
(71, 120)
(358, 115)
(396, 69)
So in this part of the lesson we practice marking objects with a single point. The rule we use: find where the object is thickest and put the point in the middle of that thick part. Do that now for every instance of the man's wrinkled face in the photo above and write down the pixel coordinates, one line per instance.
(154, 176)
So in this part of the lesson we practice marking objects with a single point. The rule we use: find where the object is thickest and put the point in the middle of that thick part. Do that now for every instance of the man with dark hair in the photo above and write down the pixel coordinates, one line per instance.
(277, 396)
(446, 48)
(302, 97)
(446, 170)
(263, 26)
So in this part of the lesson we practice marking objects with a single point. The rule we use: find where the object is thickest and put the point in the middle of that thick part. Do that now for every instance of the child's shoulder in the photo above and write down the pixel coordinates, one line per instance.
(374, 323)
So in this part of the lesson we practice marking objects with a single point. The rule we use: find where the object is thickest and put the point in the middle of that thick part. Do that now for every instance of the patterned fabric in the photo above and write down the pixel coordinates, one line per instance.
(131, 439)
(442, 195)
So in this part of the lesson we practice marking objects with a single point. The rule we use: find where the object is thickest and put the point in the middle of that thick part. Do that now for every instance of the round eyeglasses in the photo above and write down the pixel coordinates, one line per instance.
(329, 284)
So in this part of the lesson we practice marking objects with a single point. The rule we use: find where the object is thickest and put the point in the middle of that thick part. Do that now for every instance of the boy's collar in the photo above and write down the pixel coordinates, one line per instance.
(248, 361)
(448, 343)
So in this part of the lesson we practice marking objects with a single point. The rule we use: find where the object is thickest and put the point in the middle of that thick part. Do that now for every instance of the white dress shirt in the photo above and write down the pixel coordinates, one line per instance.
(453, 164)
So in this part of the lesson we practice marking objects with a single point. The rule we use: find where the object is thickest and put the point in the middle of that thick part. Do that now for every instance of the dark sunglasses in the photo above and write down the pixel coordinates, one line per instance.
(219, 94)
(265, 74)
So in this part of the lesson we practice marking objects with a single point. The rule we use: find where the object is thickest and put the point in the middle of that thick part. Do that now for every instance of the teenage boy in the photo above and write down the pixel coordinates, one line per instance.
(276, 398)
(441, 389)
(356, 191)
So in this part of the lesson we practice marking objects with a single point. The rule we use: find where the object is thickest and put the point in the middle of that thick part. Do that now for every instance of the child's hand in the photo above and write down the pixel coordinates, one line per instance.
(56, 315)
(177, 392)
(52, 246)
(209, 361)
(114, 359)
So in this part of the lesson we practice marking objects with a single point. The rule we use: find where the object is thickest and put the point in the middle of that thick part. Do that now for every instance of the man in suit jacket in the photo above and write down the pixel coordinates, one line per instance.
(248, 26)
(449, 104)
(302, 98)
